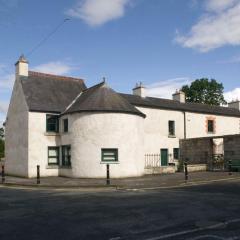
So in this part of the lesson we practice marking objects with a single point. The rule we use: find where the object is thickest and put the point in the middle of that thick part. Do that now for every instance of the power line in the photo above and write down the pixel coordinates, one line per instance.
(47, 37)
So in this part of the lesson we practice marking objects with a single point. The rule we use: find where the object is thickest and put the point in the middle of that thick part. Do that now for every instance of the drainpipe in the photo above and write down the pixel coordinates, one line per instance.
(185, 125)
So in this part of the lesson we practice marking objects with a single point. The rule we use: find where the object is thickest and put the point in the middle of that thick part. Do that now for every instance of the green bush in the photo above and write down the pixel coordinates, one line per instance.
(2, 147)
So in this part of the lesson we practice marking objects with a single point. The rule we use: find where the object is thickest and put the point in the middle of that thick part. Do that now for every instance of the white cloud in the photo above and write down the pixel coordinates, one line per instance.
(214, 29)
(3, 107)
(232, 95)
(98, 12)
(55, 67)
(165, 89)
(6, 79)
(219, 5)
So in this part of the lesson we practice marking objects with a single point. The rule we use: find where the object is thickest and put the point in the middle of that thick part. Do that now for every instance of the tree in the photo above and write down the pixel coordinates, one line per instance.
(1, 132)
(205, 91)
(2, 143)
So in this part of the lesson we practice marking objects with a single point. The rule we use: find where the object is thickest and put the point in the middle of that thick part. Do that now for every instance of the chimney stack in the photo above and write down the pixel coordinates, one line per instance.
(234, 104)
(21, 66)
(179, 96)
(139, 90)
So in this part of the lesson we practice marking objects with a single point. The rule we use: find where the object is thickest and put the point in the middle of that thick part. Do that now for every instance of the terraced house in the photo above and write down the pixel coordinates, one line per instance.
(71, 130)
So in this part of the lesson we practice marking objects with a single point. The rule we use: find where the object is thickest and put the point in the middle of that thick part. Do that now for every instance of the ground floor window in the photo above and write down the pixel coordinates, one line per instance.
(66, 155)
(53, 155)
(176, 153)
(109, 155)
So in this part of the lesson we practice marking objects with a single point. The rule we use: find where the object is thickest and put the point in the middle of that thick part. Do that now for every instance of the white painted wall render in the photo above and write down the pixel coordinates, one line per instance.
(16, 136)
(92, 131)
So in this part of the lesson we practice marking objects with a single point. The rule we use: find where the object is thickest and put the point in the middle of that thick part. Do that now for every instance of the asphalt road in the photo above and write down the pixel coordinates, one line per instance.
(198, 212)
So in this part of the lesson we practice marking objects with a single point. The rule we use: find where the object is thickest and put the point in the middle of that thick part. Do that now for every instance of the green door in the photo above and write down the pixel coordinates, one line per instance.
(164, 157)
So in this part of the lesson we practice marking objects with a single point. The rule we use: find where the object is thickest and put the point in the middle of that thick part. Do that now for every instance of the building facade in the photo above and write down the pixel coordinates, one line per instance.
(74, 131)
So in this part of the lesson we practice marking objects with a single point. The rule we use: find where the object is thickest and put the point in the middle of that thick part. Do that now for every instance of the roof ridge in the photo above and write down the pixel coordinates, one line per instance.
(48, 75)
(94, 86)
(79, 95)
(175, 101)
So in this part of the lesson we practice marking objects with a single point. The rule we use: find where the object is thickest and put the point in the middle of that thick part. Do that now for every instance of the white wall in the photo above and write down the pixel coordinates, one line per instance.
(16, 135)
(39, 141)
(156, 128)
(93, 131)
(196, 125)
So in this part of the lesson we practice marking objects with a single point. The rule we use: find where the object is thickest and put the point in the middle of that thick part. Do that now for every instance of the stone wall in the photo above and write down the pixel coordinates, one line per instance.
(197, 151)
(232, 147)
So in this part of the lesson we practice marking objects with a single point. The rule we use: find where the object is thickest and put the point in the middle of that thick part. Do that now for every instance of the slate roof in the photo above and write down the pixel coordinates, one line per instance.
(50, 93)
(101, 98)
(58, 94)
(160, 103)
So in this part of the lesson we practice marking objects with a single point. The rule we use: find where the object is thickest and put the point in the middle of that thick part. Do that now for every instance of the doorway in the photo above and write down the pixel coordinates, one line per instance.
(164, 157)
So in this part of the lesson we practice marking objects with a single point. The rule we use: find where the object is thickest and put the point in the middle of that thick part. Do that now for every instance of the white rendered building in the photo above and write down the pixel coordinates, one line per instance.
(70, 130)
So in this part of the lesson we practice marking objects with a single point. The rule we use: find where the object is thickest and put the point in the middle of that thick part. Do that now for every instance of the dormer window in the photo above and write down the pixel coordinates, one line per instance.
(52, 123)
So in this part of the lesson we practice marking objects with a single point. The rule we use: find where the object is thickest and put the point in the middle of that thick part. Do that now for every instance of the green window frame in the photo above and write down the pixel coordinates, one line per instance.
(109, 155)
(53, 155)
(65, 125)
(171, 128)
(210, 126)
(176, 153)
(52, 123)
(66, 155)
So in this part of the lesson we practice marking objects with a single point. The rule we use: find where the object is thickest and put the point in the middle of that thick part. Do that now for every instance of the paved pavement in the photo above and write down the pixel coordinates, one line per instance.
(210, 211)
(148, 181)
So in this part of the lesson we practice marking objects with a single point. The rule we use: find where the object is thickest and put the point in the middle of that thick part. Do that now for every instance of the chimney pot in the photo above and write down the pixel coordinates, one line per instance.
(21, 66)
(179, 96)
(234, 104)
(139, 90)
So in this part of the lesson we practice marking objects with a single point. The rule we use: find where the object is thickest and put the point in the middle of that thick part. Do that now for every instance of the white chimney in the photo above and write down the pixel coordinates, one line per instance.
(234, 104)
(21, 66)
(179, 96)
(139, 90)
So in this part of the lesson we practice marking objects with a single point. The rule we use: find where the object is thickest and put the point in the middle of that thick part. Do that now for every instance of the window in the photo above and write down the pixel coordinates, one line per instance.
(52, 123)
(171, 128)
(65, 125)
(53, 155)
(110, 155)
(176, 153)
(210, 126)
(66, 155)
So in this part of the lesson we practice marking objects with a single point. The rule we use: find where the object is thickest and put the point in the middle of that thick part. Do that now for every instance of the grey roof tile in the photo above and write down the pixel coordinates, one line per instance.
(50, 93)
(160, 103)
(101, 98)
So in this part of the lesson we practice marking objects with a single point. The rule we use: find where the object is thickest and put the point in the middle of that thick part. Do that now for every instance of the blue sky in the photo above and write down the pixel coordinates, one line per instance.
(162, 43)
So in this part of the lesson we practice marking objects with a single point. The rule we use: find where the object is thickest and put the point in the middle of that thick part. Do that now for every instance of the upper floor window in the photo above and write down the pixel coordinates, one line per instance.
(52, 123)
(210, 126)
(171, 128)
(65, 125)
(66, 155)
(53, 155)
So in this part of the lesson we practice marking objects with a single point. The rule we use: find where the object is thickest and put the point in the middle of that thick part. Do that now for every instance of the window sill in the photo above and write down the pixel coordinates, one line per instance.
(65, 133)
(58, 167)
(51, 134)
(52, 167)
(171, 136)
(65, 167)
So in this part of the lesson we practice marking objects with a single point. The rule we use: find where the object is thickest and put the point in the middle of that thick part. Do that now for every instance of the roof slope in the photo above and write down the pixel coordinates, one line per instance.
(175, 105)
(50, 93)
(101, 98)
